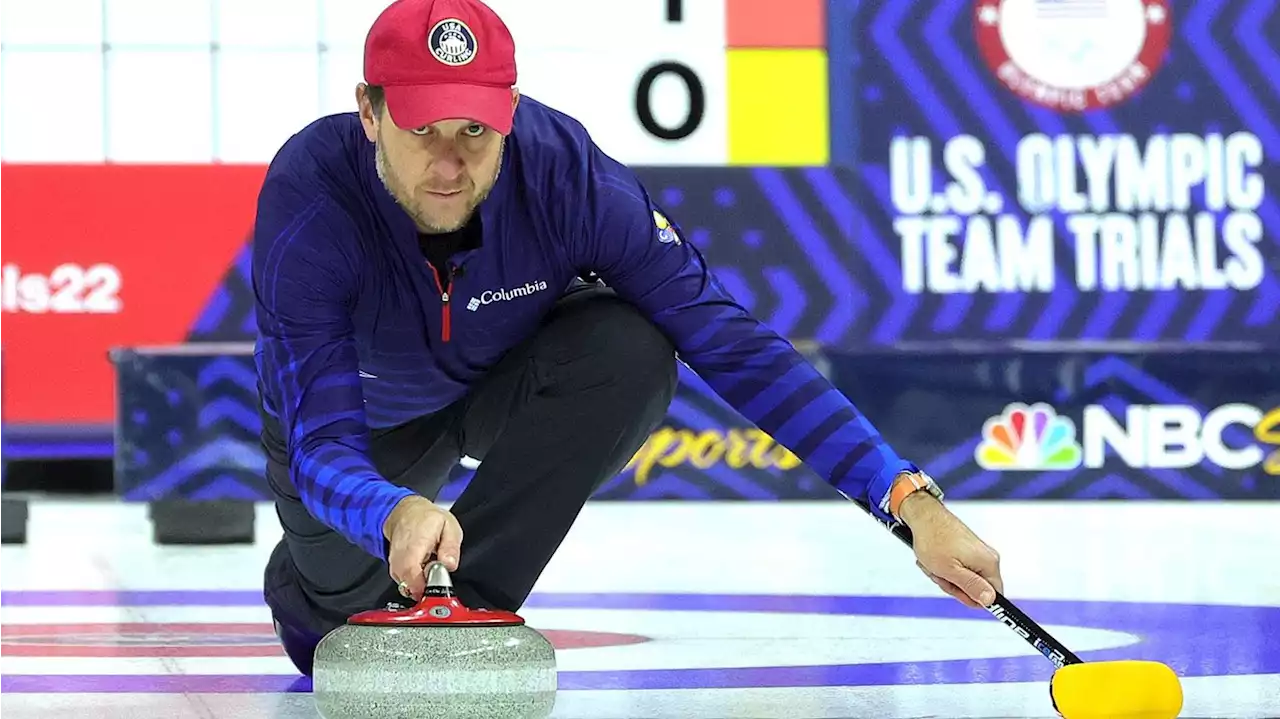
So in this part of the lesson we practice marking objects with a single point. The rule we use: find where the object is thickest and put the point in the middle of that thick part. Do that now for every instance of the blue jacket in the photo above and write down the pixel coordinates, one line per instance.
(355, 330)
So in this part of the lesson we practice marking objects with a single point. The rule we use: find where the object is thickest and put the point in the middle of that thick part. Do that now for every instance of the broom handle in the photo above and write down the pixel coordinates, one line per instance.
(1001, 608)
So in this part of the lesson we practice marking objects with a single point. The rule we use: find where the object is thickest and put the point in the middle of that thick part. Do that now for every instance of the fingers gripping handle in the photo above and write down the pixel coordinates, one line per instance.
(1001, 608)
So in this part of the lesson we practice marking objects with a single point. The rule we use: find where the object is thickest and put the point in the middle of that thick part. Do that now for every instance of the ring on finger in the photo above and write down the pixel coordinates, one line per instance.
(404, 589)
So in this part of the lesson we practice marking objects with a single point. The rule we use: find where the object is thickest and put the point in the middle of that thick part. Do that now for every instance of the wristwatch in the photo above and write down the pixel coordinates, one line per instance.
(908, 483)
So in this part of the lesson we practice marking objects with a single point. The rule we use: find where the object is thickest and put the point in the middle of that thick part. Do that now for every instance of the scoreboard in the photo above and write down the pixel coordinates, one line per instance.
(681, 82)
(656, 82)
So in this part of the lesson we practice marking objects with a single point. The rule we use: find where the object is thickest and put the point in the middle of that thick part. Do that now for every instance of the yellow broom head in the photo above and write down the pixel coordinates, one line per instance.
(1117, 690)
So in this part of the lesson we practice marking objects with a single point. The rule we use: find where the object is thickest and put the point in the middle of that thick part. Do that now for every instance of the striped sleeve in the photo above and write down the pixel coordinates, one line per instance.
(307, 363)
(637, 250)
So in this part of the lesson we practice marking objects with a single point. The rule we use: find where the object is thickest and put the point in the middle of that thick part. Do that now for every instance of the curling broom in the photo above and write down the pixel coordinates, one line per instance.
(1128, 689)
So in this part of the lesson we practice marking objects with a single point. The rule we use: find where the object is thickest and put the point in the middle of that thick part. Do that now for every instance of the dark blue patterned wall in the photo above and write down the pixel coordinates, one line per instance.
(188, 427)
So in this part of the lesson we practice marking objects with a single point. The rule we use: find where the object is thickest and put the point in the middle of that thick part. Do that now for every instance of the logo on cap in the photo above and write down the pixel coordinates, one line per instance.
(452, 42)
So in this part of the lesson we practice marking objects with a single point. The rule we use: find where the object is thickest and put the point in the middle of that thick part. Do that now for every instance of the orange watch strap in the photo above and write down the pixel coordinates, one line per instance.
(903, 486)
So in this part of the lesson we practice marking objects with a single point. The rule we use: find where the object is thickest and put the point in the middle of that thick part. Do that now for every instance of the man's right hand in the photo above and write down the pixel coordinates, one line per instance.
(420, 531)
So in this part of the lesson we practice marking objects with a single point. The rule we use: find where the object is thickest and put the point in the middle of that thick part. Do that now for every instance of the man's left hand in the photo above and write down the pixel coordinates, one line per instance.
(950, 554)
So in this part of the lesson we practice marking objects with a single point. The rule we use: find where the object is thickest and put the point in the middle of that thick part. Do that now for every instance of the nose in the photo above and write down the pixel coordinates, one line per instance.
(447, 169)
(446, 155)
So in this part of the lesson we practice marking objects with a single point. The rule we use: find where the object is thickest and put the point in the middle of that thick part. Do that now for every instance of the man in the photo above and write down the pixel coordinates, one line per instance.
(459, 271)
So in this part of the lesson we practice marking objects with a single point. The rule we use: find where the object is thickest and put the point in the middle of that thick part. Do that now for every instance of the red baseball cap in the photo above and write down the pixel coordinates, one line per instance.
(441, 60)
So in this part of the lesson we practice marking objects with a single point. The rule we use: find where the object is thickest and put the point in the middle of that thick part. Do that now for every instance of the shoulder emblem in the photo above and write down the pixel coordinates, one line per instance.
(666, 233)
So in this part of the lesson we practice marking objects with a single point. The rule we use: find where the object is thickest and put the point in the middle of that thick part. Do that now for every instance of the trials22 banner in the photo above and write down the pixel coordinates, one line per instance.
(1074, 169)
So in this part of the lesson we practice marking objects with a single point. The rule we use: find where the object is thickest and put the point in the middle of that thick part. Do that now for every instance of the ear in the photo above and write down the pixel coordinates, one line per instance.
(515, 98)
(367, 116)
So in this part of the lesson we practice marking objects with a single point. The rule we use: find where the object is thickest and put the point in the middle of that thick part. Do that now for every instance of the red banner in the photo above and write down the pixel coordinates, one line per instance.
(102, 256)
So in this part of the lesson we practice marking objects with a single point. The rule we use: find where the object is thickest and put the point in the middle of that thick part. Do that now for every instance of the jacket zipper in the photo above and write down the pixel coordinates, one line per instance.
(446, 292)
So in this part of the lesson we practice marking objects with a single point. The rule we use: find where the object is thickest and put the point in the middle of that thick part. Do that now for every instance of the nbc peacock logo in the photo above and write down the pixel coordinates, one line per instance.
(1028, 438)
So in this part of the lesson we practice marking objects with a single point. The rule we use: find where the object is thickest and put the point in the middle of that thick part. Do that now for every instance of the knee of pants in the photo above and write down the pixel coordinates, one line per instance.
(628, 346)
(299, 646)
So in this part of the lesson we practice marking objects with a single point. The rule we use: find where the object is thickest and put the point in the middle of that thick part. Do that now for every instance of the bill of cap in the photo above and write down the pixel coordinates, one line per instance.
(413, 106)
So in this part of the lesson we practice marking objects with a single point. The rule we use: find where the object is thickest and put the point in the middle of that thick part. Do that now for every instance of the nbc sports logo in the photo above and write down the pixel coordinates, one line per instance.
(1028, 438)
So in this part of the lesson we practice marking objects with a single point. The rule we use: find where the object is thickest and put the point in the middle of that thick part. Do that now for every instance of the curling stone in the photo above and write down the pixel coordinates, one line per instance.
(437, 659)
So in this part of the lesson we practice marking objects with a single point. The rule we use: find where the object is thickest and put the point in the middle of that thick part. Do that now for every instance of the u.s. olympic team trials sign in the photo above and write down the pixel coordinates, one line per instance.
(1075, 169)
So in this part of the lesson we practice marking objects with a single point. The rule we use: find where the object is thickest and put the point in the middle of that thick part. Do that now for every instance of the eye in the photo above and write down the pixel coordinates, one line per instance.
(425, 129)
(474, 130)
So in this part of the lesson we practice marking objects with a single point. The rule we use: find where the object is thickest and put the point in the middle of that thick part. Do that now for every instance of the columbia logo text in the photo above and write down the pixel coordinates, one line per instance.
(489, 297)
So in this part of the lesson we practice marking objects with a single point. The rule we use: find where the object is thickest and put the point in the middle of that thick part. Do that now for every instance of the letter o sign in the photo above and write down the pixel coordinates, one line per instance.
(644, 101)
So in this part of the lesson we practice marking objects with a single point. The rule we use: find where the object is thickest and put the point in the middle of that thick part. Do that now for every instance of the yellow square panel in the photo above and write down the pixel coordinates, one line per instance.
(778, 107)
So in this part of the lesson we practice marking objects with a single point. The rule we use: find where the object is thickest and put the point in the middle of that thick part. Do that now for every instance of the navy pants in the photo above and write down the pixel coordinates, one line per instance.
(557, 417)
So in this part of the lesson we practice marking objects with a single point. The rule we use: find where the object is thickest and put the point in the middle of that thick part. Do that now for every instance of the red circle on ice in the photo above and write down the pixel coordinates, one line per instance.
(203, 640)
